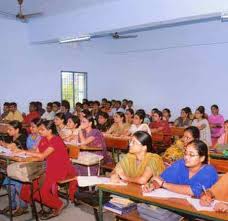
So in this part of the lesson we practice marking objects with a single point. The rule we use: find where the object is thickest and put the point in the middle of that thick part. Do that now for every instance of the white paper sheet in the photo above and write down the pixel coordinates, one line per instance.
(163, 193)
(196, 204)
(84, 181)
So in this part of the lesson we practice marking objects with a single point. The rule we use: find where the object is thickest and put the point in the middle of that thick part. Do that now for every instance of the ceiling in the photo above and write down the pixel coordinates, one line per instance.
(48, 7)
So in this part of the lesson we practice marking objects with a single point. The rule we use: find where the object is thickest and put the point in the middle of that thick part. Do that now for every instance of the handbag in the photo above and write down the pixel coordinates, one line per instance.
(26, 171)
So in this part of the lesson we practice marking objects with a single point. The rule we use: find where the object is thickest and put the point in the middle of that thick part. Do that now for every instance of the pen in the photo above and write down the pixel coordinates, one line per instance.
(204, 190)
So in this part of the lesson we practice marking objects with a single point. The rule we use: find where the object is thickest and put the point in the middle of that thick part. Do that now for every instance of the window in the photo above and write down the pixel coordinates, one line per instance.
(74, 86)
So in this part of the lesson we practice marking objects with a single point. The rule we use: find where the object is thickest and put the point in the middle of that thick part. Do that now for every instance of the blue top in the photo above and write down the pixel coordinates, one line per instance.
(31, 143)
(178, 173)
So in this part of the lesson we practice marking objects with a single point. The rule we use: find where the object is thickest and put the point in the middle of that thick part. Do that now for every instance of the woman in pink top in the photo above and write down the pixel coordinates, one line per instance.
(223, 139)
(216, 122)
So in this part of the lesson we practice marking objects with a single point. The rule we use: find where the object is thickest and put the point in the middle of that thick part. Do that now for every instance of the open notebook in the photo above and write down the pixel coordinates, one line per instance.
(84, 181)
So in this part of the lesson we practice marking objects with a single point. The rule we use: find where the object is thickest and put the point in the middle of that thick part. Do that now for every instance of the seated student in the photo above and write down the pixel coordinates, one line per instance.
(60, 123)
(18, 138)
(138, 124)
(56, 107)
(77, 109)
(34, 137)
(89, 136)
(49, 114)
(73, 124)
(218, 191)
(120, 127)
(33, 113)
(166, 114)
(65, 109)
(223, 139)
(14, 114)
(190, 175)
(159, 125)
(107, 108)
(117, 108)
(216, 122)
(203, 126)
(139, 165)
(58, 167)
(40, 108)
(6, 108)
(130, 105)
(129, 115)
(176, 151)
(103, 123)
(184, 119)
(95, 109)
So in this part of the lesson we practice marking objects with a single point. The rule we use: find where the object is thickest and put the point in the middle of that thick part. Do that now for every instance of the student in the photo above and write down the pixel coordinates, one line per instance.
(129, 115)
(216, 122)
(103, 122)
(33, 113)
(49, 113)
(218, 191)
(34, 137)
(166, 114)
(117, 108)
(139, 165)
(18, 138)
(6, 109)
(176, 151)
(90, 136)
(138, 124)
(95, 109)
(60, 123)
(14, 114)
(65, 109)
(73, 124)
(58, 167)
(184, 119)
(56, 107)
(223, 139)
(203, 126)
(120, 127)
(190, 175)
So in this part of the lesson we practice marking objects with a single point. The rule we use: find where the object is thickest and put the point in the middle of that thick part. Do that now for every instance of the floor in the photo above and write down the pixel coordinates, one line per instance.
(71, 213)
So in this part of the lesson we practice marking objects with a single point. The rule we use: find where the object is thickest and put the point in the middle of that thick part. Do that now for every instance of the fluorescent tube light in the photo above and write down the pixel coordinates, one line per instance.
(74, 39)
(224, 16)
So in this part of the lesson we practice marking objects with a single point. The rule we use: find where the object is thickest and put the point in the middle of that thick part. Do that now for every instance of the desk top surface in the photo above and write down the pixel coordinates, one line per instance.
(134, 191)
(18, 159)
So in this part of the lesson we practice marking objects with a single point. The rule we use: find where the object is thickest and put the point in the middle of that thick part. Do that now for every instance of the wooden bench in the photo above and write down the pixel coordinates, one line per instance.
(220, 165)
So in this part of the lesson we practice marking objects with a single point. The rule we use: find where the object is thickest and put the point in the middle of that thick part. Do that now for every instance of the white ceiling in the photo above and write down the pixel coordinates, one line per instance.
(48, 7)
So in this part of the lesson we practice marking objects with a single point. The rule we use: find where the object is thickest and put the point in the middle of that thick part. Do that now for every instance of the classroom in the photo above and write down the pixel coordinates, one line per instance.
(121, 100)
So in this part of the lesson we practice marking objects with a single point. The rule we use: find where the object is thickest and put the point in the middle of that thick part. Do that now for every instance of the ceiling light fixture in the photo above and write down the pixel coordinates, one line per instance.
(75, 39)
(224, 17)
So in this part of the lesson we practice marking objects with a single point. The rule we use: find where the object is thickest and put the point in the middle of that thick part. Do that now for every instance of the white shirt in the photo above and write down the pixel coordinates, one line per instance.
(48, 115)
(141, 127)
(205, 134)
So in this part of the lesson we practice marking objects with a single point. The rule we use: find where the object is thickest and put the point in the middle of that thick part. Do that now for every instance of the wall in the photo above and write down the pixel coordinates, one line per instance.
(171, 67)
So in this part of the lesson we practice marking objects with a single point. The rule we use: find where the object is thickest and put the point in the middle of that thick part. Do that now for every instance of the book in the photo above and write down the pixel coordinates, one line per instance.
(113, 208)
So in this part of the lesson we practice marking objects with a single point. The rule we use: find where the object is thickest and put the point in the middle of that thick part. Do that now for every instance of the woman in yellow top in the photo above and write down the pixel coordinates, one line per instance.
(120, 127)
(176, 151)
(139, 165)
(218, 191)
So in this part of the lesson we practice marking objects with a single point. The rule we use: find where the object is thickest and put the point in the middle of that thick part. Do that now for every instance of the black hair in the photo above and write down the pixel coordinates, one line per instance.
(6, 104)
(154, 109)
(118, 102)
(194, 131)
(90, 118)
(75, 119)
(168, 111)
(57, 103)
(62, 117)
(49, 125)
(159, 113)
(103, 114)
(35, 105)
(131, 111)
(215, 106)
(145, 139)
(13, 104)
(122, 115)
(141, 111)
(16, 125)
(104, 99)
(140, 115)
(187, 111)
(50, 104)
(36, 121)
(226, 121)
(97, 103)
(201, 148)
(65, 104)
(201, 109)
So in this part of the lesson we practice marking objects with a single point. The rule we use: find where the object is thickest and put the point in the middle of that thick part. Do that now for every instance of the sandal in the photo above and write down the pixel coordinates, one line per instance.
(54, 213)
(20, 211)
(4, 211)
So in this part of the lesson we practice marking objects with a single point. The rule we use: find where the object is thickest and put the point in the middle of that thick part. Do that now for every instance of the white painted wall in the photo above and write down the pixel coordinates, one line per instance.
(171, 67)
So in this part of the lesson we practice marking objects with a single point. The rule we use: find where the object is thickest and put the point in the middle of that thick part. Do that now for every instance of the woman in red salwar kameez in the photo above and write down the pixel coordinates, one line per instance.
(58, 167)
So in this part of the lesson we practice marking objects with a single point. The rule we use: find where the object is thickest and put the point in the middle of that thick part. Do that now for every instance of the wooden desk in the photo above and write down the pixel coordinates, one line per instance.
(177, 131)
(120, 143)
(85, 148)
(220, 165)
(133, 191)
(218, 156)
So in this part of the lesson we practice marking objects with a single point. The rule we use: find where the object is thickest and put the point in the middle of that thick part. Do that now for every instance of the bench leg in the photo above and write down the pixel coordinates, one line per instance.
(34, 210)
